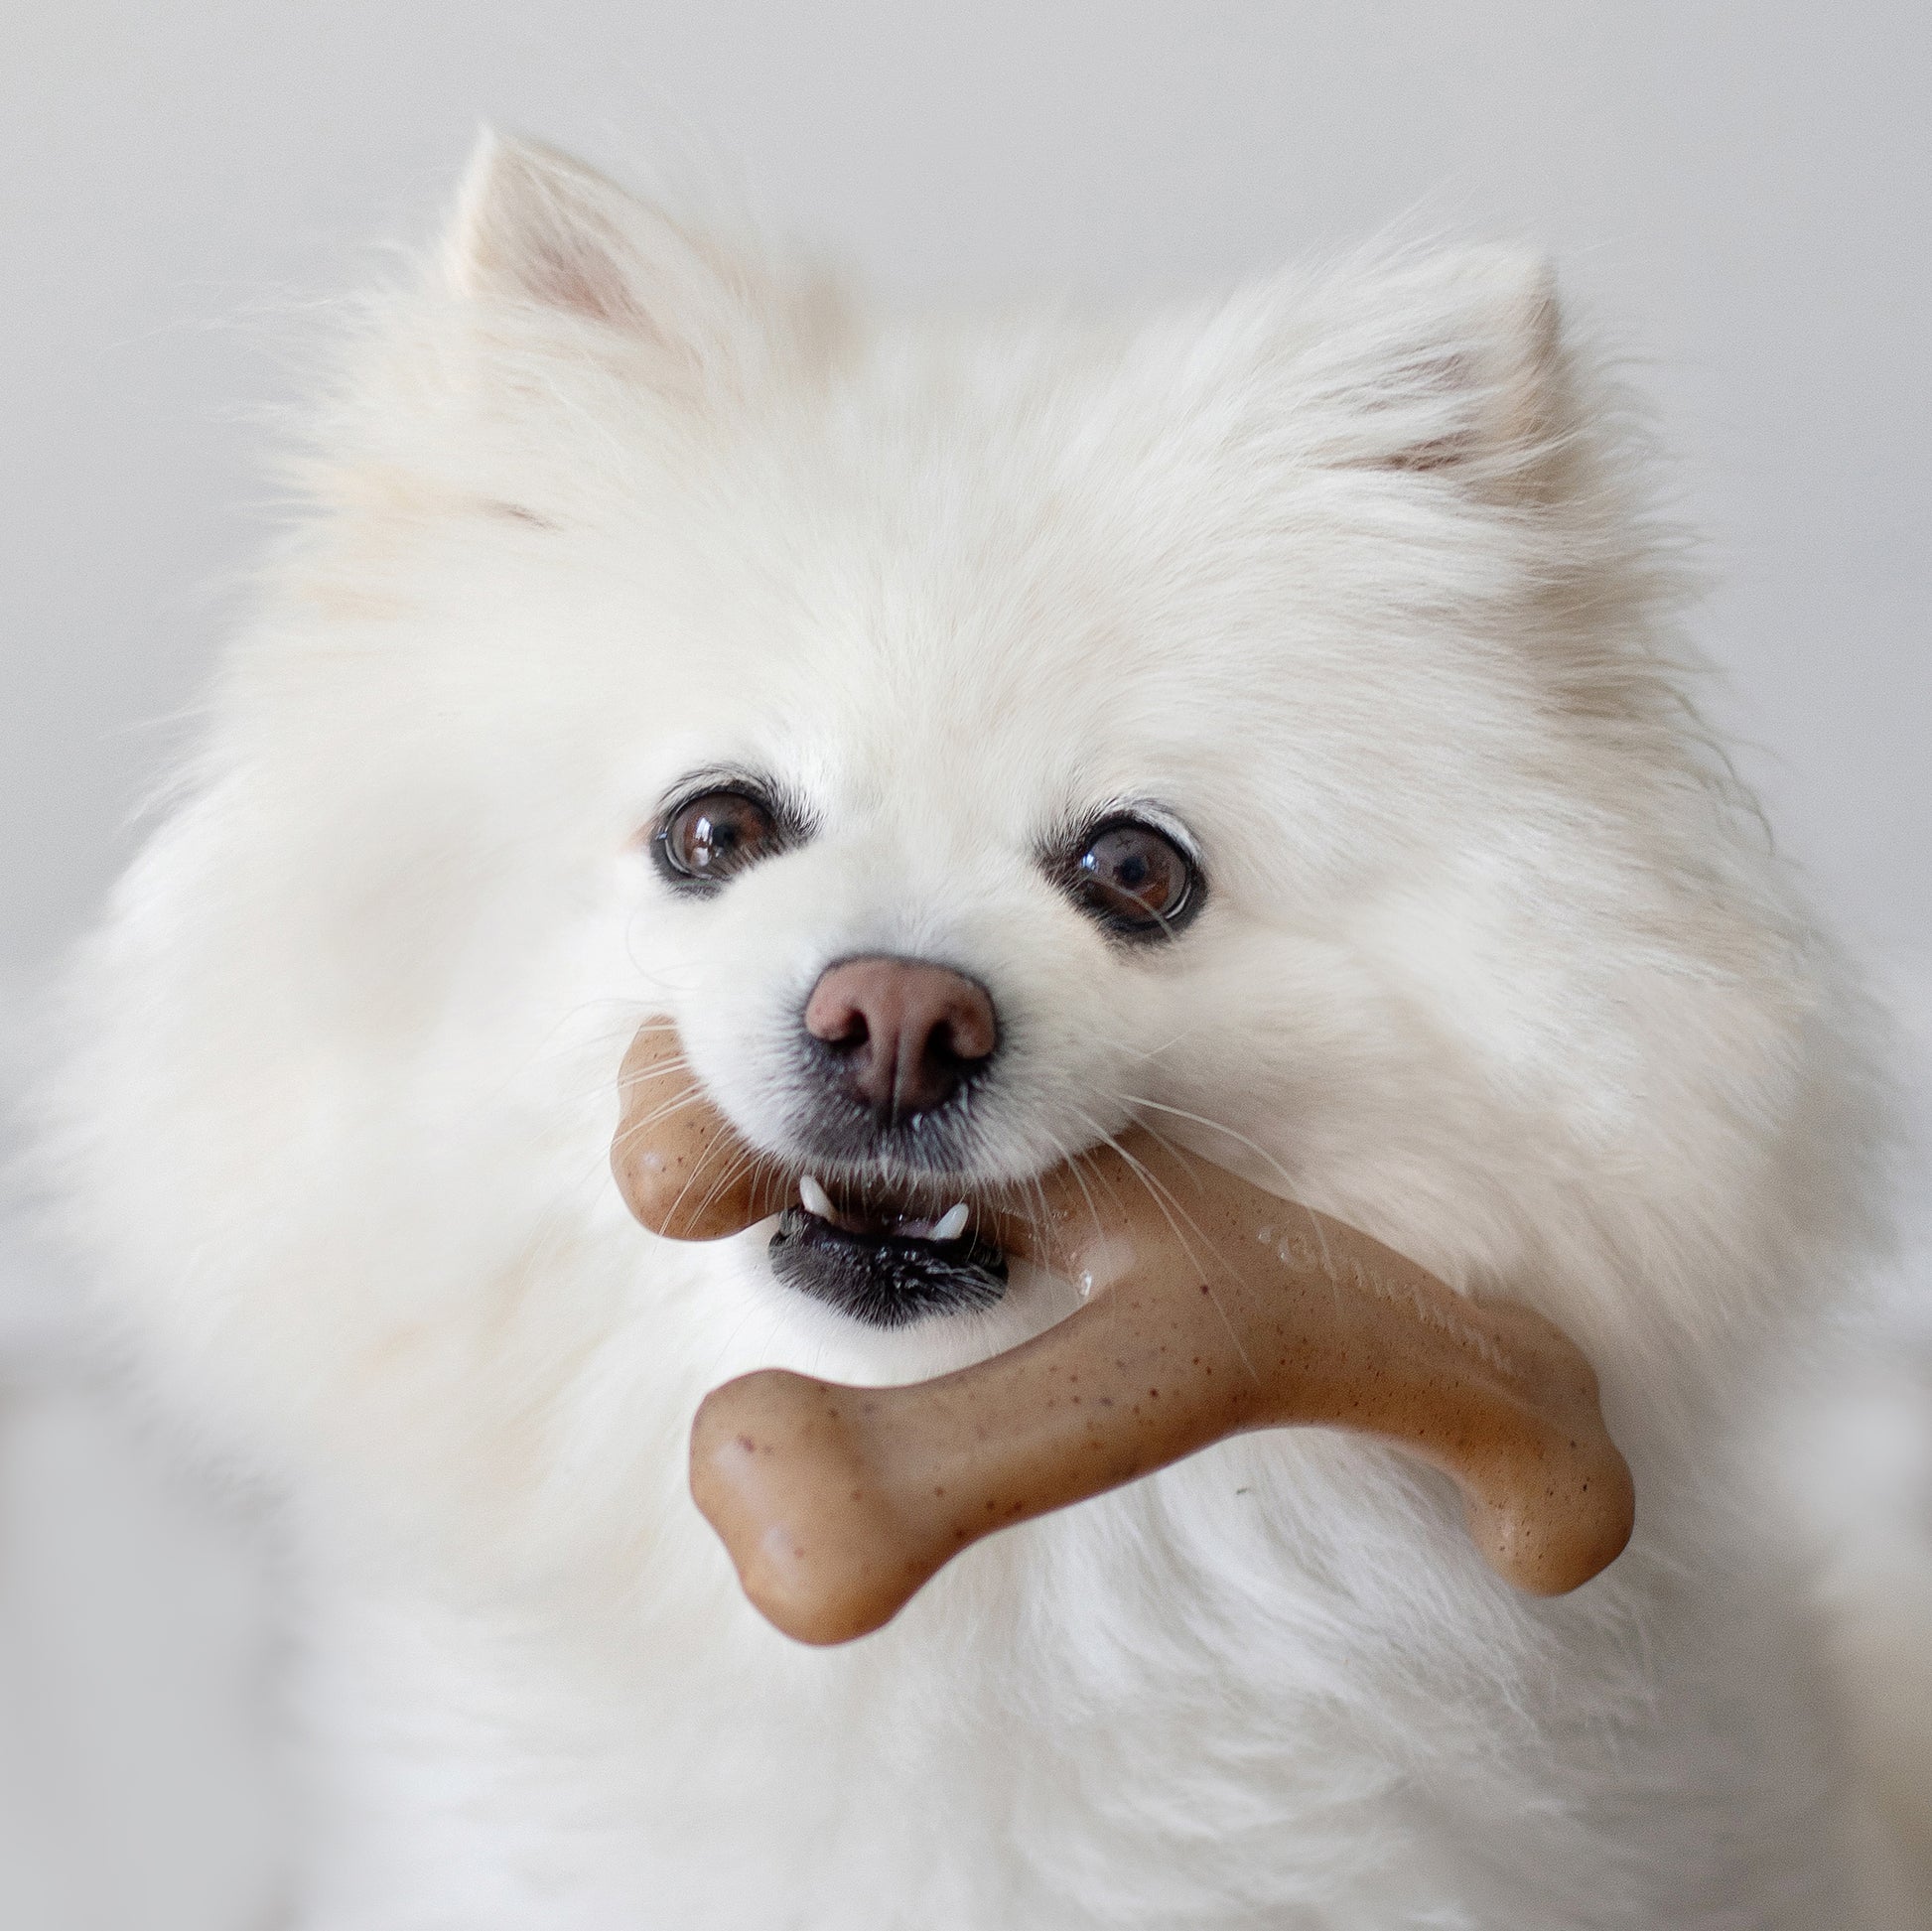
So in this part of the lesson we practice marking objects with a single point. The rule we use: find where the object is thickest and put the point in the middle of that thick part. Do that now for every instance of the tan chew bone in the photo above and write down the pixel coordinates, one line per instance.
(1214, 1308)
(681, 1168)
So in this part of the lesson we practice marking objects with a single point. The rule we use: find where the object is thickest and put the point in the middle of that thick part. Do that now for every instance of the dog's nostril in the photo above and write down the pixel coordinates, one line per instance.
(851, 1035)
(903, 1033)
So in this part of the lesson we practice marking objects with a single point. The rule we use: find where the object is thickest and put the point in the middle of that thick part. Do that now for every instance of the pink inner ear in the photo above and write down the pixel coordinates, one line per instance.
(537, 227)
(1449, 374)
(581, 279)
(1496, 382)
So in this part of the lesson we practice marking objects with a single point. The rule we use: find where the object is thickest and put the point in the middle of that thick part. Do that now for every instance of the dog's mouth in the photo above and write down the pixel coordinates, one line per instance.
(884, 1260)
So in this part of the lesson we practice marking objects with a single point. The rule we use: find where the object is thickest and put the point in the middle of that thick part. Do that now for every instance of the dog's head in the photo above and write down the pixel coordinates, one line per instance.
(1255, 720)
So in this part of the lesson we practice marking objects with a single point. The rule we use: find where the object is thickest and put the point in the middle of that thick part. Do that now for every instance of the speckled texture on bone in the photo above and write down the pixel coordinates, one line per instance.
(1223, 1308)
(681, 1168)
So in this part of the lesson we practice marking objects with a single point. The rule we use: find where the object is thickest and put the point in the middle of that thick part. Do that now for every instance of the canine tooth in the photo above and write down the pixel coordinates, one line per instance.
(951, 1224)
(814, 1197)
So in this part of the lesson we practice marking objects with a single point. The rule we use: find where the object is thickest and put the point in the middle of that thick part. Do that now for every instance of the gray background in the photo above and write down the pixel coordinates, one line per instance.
(1738, 191)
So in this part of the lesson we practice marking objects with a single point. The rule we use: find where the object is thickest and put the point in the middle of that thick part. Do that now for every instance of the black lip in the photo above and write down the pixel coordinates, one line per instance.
(885, 1280)
(835, 1131)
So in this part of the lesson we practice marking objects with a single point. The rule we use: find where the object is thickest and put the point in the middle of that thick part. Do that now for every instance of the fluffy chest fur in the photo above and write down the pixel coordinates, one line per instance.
(1346, 587)
(1147, 1713)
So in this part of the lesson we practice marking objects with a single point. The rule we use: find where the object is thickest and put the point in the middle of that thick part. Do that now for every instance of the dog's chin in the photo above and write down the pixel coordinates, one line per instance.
(883, 1279)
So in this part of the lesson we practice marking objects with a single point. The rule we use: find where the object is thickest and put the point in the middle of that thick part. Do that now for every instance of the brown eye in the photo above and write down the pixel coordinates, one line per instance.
(709, 839)
(1135, 879)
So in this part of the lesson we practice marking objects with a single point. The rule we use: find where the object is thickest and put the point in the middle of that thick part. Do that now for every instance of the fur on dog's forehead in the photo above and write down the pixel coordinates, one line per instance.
(1016, 661)
(1024, 691)
(689, 512)
(1045, 597)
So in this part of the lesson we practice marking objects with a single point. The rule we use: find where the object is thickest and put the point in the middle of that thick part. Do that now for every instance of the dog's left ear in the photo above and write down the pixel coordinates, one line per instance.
(1454, 365)
(537, 232)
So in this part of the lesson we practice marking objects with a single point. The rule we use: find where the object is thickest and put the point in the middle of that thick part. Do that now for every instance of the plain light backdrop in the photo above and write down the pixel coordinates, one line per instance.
(1737, 192)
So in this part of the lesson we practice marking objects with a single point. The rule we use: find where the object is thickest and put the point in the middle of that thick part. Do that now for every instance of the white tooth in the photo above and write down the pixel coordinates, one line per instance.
(814, 1198)
(951, 1224)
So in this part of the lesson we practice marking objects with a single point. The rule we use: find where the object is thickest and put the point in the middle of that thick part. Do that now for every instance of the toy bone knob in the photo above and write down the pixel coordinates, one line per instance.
(1214, 1308)
(681, 1168)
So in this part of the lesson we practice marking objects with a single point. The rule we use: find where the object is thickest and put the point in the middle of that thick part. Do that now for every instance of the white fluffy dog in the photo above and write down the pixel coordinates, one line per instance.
(1342, 598)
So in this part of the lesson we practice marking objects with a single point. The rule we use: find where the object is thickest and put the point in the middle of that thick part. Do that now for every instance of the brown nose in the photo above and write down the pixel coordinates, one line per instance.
(905, 1034)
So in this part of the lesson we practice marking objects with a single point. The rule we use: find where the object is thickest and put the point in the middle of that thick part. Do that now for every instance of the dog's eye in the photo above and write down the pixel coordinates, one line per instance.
(1134, 878)
(709, 839)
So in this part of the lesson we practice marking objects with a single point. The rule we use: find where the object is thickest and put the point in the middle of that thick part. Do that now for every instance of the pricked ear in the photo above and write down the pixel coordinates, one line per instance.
(1456, 364)
(535, 228)
(533, 225)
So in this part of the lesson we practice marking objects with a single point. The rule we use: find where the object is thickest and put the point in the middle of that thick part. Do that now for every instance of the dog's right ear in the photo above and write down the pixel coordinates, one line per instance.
(538, 230)
(1451, 363)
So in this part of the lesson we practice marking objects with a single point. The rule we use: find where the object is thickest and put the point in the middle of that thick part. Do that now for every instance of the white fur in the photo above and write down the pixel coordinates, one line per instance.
(1353, 571)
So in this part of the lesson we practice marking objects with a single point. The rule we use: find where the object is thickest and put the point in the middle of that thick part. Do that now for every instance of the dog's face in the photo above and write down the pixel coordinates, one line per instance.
(1253, 722)
(1249, 722)
(936, 885)
(1008, 796)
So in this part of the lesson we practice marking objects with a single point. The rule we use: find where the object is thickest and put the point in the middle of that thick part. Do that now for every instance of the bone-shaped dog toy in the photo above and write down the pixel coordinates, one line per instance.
(1212, 1307)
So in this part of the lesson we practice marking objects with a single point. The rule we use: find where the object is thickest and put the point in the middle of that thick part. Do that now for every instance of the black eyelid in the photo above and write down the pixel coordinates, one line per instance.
(761, 791)
(1138, 816)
